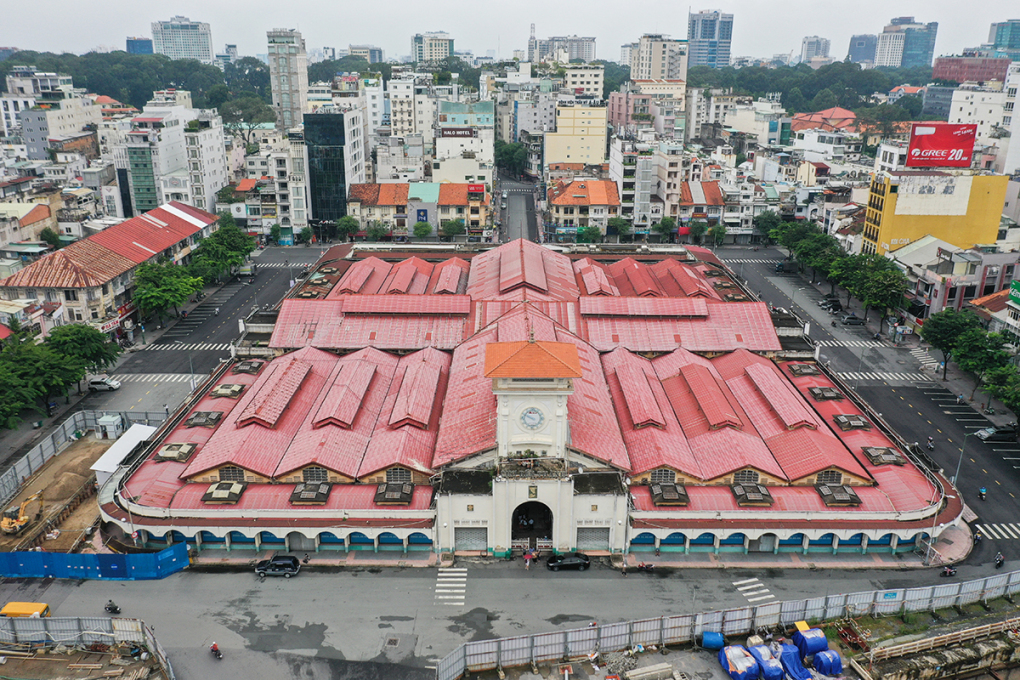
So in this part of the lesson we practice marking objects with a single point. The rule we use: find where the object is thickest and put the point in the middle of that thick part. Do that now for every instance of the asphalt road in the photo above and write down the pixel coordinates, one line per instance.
(518, 219)
(205, 334)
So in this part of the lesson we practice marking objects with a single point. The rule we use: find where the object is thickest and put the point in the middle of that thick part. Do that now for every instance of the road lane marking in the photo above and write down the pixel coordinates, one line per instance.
(750, 580)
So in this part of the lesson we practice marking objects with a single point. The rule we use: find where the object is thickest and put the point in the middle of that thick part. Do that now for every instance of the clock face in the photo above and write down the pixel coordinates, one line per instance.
(532, 418)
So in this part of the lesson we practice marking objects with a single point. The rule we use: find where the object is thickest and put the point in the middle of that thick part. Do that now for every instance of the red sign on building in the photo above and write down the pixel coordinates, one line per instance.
(476, 188)
(941, 145)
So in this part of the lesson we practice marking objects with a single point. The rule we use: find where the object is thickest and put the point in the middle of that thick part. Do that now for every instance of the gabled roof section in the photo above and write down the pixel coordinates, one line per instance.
(788, 406)
(630, 307)
(634, 279)
(521, 270)
(345, 395)
(638, 397)
(282, 383)
(453, 194)
(449, 277)
(586, 192)
(701, 193)
(82, 264)
(410, 305)
(594, 278)
(712, 400)
(144, 237)
(365, 194)
(531, 360)
(409, 276)
(364, 276)
(416, 396)
(521, 266)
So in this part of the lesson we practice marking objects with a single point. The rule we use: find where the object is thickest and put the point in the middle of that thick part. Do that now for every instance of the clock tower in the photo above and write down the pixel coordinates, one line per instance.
(531, 381)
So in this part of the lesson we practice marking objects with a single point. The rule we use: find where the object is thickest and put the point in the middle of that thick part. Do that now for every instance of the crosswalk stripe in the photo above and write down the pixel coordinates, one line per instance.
(759, 599)
(881, 376)
(988, 530)
(750, 580)
(1005, 529)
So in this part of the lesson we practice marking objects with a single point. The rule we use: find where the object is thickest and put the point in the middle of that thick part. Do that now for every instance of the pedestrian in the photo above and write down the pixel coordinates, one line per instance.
(624, 570)
(166, 408)
(527, 560)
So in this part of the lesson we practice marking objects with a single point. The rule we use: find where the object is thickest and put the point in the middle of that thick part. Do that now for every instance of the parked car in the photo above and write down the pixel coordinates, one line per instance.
(281, 565)
(851, 320)
(103, 385)
(577, 560)
(505, 194)
(829, 304)
(834, 308)
(1006, 433)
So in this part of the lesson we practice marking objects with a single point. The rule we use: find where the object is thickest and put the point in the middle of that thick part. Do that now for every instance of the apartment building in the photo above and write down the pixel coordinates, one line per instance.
(765, 119)
(813, 46)
(659, 57)
(430, 47)
(582, 203)
(561, 48)
(288, 76)
(705, 109)
(580, 135)
(400, 160)
(55, 115)
(370, 53)
(584, 80)
(464, 143)
(274, 190)
(182, 38)
(906, 43)
(632, 167)
(984, 107)
(709, 34)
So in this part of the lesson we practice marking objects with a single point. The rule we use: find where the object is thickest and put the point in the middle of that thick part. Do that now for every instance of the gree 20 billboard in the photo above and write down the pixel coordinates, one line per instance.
(941, 145)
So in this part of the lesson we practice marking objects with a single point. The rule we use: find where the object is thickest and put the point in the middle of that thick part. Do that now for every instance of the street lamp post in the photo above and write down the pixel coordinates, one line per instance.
(191, 367)
(960, 461)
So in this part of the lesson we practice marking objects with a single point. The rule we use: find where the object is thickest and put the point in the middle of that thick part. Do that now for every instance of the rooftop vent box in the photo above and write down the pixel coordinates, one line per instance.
(311, 494)
(251, 367)
(751, 494)
(176, 452)
(224, 493)
(229, 391)
(394, 494)
(724, 283)
(711, 273)
(825, 393)
(834, 495)
(799, 370)
(329, 270)
(852, 421)
(307, 295)
(883, 455)
(669, 494)
(735, 297)
(204, 419)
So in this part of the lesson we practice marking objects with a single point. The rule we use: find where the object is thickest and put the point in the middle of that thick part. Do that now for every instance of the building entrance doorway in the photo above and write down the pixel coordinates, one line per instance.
(531, 522)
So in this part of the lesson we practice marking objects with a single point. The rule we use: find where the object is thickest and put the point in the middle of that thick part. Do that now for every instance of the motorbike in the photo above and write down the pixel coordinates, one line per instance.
(988, 411)
(112, 608)
(948, 571)
(982, 493)
(977, 538)
(215, 651)
(648, 568)
(999, 560)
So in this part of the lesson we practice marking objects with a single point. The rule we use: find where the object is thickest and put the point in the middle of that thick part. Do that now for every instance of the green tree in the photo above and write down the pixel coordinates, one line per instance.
(248, 77)
(620, 225)
(883, 288)
(943, 330)
(422, 230)
(766, 221)
(1003, 383)
(39, 369)
(717, 233)
(452, 228)
(977, 351)
(216, 96)
(512, 158)
(274, 233)
(819, 251)
(306, 235)
(241, 117)
(664, 228)
(18, 395)
(158, 287)
(912, 104)
(51, 237)
(589, 234)
(227, 248)
(376, 231)
(347, 227)
(825, 99)
(696, 230)
(91, 346)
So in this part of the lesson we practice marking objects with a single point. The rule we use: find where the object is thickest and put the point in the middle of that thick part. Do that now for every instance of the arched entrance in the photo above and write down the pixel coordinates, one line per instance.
(531, 521)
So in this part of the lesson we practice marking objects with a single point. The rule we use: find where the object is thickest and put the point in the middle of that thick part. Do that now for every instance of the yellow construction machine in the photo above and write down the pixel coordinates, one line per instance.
(15, 519)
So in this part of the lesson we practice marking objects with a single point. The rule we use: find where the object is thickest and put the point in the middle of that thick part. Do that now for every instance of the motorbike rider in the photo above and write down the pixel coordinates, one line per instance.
(999, 559)
(214, 648)
(110, 606)
(982, 492)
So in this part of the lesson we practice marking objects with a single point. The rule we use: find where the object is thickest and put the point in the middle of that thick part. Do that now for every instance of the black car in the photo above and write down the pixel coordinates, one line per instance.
(998, 434)
(281, 565)
(577, 560)
(851, 320)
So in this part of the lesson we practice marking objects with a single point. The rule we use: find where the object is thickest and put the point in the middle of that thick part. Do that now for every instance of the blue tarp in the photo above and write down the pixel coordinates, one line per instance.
(134, 567)
(811, 641)
(790, 658)
(828, 663)
(771, 669)
(738, 662)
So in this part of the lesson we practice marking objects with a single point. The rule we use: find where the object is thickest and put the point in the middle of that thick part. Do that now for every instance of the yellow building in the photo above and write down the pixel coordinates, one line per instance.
(580, 135)
(960, 208)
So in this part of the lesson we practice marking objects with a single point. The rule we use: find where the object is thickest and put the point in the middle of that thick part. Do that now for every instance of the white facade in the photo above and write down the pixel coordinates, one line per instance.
(65, 117)
(659, 56)
(400, 160)
(288, 75)
(754, 119)
(464, 159)
(889, 51)
(891, 157)
(11, 107)
(819, 145)
(813, 46)
(583, 79)
(182, 38)
(434, 46)
(702, 109)
(982, 107)
(1011, 119)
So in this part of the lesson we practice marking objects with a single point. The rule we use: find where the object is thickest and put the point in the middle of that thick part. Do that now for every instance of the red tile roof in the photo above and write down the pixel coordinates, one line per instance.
(37, 214)
(701, 193)
(829, 120)
(586, 192)
(453, 194)
(245, 185)
(379, 194)
(526, 359)
(82, 264)
(144, 237)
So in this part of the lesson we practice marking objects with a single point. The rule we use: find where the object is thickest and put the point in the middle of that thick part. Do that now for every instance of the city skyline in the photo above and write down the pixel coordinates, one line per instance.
(756, 25)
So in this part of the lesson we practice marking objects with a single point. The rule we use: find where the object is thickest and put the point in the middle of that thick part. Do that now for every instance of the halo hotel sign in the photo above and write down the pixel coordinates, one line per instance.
(941, 145)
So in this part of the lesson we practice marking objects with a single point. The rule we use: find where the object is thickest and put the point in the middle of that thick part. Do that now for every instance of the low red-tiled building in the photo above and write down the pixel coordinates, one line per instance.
(584, 202)
(527, 397)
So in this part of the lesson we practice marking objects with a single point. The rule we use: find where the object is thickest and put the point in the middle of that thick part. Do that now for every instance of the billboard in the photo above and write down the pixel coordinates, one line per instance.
(1014, 292)
(941, 145)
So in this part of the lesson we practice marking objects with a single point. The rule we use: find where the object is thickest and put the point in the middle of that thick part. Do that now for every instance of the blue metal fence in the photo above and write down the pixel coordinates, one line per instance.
(135, 567)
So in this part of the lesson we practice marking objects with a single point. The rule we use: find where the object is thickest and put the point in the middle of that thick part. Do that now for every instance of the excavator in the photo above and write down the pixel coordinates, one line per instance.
(15, 519)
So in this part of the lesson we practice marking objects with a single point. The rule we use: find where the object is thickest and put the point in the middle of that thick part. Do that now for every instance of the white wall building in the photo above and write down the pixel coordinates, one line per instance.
(434, 46)
(982, 107)
(763, 118)
(1011, 120)
(659, 56)
(182, 38)
(66, 116)
(821, 146)
(584, 79)
(288, 75)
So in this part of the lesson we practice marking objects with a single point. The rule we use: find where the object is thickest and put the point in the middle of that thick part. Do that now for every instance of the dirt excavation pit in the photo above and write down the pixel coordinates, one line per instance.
(59, 480)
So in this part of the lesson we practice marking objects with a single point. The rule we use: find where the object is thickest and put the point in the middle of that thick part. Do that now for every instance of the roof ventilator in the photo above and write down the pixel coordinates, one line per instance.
(224, 493)
(669, 494)
(825, 393)
(799, 370)
(883, 455)
(394, 494)
(751, 494)
(225, 390)
(834, 495)
(311, 494)
(204, 419)
(251, 367)
(176, 452)
(852, 421)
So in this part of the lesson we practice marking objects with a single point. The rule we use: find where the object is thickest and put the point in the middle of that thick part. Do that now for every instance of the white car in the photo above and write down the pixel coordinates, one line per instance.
(505, 194)
(103, 385)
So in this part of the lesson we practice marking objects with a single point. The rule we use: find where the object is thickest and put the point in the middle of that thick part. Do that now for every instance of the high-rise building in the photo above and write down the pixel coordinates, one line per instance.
(570, 46)
(659, 56)
(370, 53)
(139, 45)
(709, 33)
(182, 38)
(1004, 37)
(63, 115)
(906, 43)
(812, 46)
(625, 53)
(335, 149)
(862, 49)
(288, 75)
(434, 46)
